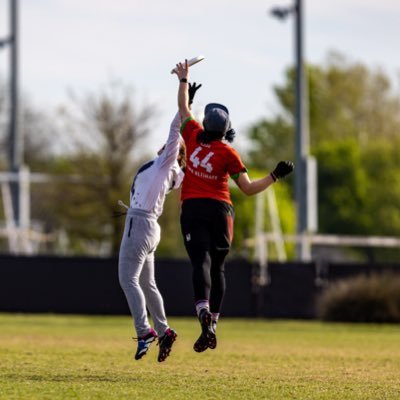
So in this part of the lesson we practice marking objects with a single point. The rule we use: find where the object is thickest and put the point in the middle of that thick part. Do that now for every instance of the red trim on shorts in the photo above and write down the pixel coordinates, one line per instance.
(229, 220)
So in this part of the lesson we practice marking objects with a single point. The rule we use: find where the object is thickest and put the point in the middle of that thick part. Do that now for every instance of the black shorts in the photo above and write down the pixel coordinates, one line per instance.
(207, 224)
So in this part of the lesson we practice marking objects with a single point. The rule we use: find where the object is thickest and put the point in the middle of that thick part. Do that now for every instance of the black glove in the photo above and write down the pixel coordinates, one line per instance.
(282, 169)
(192, 91)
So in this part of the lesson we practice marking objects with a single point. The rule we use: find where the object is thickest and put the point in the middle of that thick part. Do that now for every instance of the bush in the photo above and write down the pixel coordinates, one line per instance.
(374, 298)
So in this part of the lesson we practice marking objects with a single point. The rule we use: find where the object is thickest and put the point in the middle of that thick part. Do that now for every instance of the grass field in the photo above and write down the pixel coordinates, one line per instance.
(82, 357)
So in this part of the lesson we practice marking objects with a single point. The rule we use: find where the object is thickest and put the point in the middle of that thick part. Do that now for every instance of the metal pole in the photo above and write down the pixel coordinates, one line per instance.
(302, 137)
(15, 153)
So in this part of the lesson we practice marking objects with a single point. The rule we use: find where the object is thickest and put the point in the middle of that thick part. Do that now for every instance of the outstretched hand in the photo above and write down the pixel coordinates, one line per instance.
(182, 70)
(282, 169)
(193, 88)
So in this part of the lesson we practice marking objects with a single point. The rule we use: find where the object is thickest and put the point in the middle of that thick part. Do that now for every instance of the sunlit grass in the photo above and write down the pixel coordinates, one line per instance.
(80, 357)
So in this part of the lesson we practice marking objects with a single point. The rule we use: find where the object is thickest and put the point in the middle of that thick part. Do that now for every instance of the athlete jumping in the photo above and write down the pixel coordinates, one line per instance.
(207, 210)
(141, 236)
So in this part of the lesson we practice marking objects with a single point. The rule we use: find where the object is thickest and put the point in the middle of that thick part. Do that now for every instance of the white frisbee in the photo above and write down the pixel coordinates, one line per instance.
(191, 62)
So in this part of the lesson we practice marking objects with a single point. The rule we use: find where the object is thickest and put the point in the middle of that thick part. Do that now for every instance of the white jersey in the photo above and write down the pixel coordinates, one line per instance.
(159, 176)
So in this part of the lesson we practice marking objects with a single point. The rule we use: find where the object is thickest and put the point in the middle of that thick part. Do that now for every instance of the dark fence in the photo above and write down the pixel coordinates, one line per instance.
(85, 285)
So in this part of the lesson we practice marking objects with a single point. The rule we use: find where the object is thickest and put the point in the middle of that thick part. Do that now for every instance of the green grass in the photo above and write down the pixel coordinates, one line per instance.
(82, 357)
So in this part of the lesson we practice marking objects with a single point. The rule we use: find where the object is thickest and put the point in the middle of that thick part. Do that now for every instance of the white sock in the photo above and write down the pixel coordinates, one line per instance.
(202, 304)
(214, 317)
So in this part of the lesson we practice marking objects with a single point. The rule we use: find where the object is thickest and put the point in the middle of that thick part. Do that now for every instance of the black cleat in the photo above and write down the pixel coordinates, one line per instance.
(201, 344)
(213, 340)
(165, 342)
(144, 343)
(207, 337)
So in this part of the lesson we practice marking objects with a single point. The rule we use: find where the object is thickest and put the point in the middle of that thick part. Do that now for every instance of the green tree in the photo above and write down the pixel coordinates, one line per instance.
(272, 141)
(108, 128)
(350, 100)
(354, 117)
(340, 165)
(382, 161)
(37, 130)
(245, 215)
(171, 244)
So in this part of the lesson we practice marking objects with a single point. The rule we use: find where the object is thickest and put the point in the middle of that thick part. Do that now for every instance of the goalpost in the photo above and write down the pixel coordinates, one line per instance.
(262, 239)
(22, 239)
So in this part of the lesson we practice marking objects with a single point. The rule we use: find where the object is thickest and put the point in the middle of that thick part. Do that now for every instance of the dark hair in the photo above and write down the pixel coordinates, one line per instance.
(208, 136)
(230, 135)
(182, 156)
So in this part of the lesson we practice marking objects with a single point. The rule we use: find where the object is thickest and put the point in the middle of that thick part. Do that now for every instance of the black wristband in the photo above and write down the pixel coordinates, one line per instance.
(183, 80)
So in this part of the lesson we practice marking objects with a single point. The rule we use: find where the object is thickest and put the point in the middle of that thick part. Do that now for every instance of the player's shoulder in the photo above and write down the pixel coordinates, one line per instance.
(231, 154)
(190, 123)
(226, 146)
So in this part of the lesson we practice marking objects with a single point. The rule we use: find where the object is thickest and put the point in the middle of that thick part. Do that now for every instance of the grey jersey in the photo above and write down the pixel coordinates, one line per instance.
(159, 176)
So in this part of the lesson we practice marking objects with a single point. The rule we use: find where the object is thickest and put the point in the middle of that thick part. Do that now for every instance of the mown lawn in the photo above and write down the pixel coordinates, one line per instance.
(85, 357)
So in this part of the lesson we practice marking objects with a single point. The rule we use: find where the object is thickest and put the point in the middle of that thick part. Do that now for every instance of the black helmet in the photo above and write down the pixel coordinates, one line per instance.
(216, 119)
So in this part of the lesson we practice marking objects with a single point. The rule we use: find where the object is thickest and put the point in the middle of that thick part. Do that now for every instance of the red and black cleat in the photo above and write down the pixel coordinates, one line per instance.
(207, 337)
(165, 342)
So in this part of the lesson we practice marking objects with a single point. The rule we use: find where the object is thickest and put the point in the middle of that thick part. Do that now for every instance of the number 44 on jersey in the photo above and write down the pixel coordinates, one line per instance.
(204, 162)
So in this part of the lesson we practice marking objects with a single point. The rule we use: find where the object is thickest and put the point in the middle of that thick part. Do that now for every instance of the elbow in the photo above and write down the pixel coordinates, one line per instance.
(247, 190)
(252, 190)
(251, 193)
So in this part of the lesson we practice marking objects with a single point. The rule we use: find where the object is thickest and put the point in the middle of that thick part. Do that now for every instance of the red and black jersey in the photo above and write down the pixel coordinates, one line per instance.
(208, 165)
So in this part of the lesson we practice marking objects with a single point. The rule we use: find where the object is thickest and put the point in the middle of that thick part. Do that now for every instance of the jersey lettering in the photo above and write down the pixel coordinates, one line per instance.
(194, 159)
(204, 163)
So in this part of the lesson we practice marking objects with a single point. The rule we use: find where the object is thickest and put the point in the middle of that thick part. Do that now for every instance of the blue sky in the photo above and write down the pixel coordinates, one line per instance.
(82, 45)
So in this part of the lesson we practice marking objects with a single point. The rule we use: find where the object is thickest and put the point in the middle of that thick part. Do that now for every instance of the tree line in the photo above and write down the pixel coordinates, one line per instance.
(354, 118)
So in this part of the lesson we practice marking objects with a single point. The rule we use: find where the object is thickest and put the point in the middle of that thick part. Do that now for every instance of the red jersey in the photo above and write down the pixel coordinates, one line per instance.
(208, 165)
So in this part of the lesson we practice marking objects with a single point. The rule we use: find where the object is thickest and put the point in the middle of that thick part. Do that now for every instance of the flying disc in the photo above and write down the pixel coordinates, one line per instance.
(191, 62)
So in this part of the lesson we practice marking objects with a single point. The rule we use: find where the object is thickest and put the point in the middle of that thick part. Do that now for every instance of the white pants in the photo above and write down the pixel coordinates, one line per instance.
(136, 271)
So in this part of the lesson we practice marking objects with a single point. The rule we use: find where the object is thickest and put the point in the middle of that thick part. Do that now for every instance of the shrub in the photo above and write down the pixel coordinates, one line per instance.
(374, 298)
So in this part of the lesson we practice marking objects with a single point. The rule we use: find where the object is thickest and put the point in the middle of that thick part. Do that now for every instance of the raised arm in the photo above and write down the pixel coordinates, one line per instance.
(182, 71)
(250, 188)
(171, 149)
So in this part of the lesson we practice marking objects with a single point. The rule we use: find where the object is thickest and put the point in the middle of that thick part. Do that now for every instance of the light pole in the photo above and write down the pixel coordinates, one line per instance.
(14, 141)
(305, 188)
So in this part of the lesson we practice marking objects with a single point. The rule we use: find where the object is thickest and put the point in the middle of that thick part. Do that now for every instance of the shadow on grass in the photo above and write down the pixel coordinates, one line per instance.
(69, 378)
